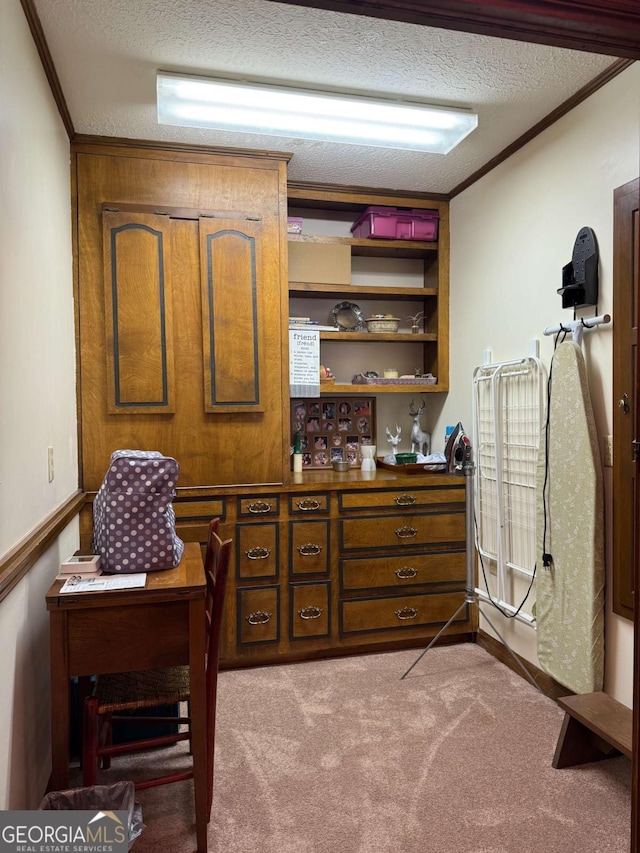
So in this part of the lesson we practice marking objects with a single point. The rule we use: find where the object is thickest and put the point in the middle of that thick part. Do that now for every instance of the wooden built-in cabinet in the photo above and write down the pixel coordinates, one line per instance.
(400, 277)
(183, 300)
(330, 565)
(181, 261)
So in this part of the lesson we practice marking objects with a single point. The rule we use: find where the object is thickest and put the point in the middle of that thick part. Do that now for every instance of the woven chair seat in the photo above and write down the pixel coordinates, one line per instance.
(129, 691)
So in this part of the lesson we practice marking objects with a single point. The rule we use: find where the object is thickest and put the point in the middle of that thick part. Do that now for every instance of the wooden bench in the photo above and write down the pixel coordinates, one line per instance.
(595, 727)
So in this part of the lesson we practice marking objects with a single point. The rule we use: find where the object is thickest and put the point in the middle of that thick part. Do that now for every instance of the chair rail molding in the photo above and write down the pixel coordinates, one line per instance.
(15, 564)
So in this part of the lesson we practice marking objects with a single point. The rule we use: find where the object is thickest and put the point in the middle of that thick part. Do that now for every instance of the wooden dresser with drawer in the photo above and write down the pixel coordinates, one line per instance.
(336, 564)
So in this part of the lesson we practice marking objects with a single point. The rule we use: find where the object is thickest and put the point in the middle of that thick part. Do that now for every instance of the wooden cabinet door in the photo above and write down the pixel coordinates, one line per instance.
(232, 315)
(625, 380)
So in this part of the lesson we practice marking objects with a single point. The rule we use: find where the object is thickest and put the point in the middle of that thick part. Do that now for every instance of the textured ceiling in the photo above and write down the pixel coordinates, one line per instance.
(107, 52)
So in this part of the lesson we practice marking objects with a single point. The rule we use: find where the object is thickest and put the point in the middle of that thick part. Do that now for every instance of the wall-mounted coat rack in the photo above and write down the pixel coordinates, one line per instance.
(577, 327)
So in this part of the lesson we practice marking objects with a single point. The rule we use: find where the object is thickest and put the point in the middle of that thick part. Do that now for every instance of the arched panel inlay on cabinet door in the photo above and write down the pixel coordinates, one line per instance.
(138, 313)
(231, 330)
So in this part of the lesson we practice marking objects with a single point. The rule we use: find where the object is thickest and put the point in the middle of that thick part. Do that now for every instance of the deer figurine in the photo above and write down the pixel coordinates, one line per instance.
(420, 441)
(394, 439)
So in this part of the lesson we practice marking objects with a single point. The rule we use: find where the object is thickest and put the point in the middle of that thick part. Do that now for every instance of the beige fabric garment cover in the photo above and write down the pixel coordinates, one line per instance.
(570, 594)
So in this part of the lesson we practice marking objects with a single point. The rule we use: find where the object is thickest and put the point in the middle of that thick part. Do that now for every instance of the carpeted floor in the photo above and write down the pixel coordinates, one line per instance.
(341, 756)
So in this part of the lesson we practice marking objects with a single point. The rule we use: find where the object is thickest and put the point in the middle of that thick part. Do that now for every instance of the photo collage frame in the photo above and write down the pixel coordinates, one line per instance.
(332, 428)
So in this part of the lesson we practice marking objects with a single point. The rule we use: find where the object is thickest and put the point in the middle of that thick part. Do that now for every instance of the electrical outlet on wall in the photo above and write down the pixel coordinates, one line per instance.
(607, 451)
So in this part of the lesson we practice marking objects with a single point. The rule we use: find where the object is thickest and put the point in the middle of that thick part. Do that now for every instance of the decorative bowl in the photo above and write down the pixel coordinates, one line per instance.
(339, 465)
(382, 324)
(406, 458)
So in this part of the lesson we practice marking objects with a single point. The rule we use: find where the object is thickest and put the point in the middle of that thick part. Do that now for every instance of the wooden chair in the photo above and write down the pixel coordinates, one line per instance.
(131, 691)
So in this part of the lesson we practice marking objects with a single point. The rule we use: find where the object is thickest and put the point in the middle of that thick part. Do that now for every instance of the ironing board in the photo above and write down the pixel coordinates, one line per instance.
(570, 592)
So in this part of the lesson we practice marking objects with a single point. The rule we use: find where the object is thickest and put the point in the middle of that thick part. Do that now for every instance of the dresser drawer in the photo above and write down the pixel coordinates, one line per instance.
(401, 531)
(258, 506)
(257, 550)
(403, 570)
(309, 610)
(258, 615)
(403, 611)
(403, 498)
(308, 504)
(192, 509)
(309, 542)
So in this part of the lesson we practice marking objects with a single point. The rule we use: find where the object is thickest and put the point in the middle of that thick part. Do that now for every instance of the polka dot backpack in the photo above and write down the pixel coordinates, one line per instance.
(133, 518)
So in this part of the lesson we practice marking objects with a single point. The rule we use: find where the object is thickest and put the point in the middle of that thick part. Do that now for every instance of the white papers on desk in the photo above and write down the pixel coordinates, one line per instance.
(75, 583)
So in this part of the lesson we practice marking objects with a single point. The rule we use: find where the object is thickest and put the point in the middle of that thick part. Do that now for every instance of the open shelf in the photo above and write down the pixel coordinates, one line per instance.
(373, 248)
(377, 337)
(416, 294)
(335, 388)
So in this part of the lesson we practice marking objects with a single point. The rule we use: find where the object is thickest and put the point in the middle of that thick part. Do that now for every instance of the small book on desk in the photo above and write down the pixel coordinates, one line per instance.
(81, 573)
(77, 583)
(82, 565)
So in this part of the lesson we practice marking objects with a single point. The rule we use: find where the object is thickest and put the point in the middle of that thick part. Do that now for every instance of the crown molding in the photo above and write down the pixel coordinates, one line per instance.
(611, 28)
(80, 141)
(577, 98)
(42, 47)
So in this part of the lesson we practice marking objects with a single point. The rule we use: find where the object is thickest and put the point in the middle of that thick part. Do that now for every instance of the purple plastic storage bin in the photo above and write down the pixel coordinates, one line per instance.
(294, 225)
(389, 223)
(425, 224)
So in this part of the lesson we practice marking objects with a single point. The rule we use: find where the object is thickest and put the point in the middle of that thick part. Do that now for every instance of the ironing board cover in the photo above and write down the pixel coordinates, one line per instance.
(570, 593)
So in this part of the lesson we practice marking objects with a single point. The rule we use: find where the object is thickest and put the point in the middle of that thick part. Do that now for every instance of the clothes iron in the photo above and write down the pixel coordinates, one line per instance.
(458, 450)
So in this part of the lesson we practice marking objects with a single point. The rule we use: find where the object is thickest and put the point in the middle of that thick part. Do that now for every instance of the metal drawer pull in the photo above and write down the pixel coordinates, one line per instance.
(406, 572)
(406, 532)
(259, 507)
(258, 618)
(309, 550)
(405, 500)
(310, 612)
(258, 553)
(308, 505)
(407, 613)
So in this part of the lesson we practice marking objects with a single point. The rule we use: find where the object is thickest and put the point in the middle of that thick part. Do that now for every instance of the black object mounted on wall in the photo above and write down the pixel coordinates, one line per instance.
(580, 277)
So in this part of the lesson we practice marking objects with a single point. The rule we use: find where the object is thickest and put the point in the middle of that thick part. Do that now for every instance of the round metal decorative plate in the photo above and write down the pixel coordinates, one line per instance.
(348, 317)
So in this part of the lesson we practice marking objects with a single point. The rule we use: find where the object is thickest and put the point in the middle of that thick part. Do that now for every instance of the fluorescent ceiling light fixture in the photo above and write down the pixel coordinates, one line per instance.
(302, 114)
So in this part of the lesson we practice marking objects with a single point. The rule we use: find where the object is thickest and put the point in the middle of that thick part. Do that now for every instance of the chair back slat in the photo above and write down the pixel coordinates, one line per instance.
(217, 573)
(217, 560)
(209, 558)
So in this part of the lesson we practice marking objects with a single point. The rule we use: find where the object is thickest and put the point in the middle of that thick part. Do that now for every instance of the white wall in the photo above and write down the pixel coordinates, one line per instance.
(37, 391)
(511, 234)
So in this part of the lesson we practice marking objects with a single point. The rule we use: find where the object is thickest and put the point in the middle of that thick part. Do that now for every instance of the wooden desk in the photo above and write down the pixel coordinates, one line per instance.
(160, 625)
